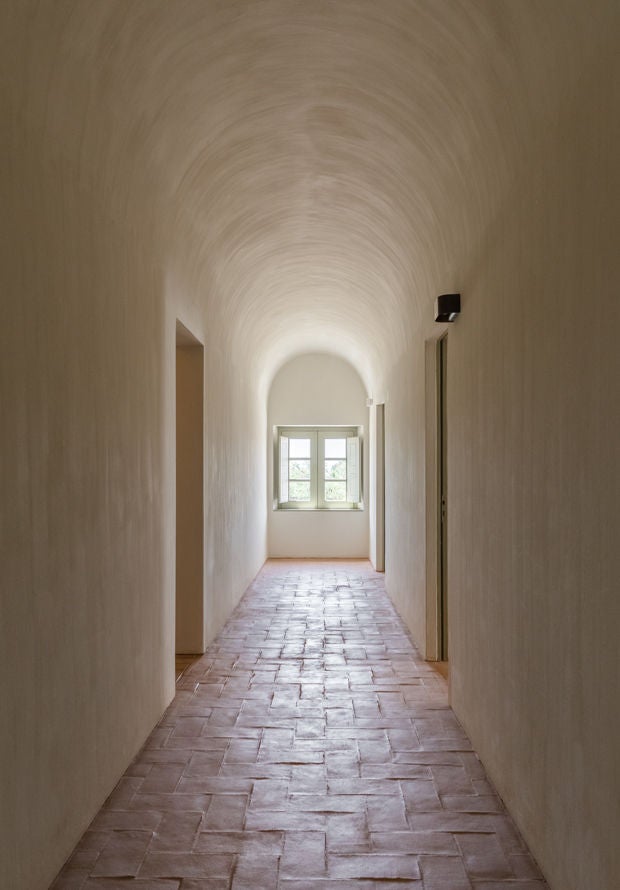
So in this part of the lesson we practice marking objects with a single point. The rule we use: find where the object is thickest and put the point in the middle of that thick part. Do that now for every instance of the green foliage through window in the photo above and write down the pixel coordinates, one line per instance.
(319, 468)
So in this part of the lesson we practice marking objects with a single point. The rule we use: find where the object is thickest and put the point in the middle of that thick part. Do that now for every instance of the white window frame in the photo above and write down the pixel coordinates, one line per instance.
(317, 436)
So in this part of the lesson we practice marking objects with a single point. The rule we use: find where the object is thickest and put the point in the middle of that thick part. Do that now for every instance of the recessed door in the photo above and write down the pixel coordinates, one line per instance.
(380, 487)
(442, 441)
(189, 493)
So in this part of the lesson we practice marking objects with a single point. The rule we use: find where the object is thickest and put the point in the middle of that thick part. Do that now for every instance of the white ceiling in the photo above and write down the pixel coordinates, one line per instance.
(318, 168)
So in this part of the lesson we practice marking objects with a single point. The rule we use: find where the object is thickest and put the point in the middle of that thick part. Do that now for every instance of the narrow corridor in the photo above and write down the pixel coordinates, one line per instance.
(310, 747)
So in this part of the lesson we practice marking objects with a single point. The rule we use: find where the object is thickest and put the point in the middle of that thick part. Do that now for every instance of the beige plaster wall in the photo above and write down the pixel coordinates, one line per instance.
(533, 399)
(87, 613)
(534, 480)
(87, 473)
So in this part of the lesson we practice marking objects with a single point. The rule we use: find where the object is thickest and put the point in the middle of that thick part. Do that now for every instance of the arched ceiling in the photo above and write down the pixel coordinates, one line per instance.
(310, 160)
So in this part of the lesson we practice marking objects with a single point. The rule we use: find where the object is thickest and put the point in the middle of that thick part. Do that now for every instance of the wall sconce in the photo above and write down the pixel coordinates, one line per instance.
(447, 307)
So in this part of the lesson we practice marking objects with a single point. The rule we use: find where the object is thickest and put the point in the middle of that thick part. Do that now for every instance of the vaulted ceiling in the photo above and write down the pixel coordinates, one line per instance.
(316, 168)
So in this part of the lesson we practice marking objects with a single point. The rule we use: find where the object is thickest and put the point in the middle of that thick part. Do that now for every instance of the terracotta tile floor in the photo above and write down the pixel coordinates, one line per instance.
(310, 747)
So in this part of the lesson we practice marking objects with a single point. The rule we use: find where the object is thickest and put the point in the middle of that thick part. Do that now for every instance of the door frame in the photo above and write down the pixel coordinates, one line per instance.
(379, 458)
(436, 442)
(189, 468)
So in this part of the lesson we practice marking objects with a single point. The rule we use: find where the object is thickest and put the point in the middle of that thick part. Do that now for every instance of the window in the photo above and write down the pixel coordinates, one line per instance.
(318, 468)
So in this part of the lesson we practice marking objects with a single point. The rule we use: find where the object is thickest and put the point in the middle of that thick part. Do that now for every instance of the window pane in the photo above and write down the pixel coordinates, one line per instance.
(335, 491)
(299, 491)
(353, 469)
(299, 447)
(335, 447)
(335, 469)
(283, 469)
(299, 469)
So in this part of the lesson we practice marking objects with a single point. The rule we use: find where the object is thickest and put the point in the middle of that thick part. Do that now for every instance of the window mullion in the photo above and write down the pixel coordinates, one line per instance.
(283, 469)
(321, 469)
(314, 467)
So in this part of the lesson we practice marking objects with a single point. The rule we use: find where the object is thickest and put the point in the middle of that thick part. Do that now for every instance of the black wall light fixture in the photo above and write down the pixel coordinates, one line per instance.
(447, 307)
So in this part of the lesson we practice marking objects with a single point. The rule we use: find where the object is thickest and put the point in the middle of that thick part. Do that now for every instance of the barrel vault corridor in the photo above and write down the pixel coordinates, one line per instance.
(225, 225)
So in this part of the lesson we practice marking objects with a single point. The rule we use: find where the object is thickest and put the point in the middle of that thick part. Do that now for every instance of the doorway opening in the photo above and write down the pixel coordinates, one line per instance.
(380, 488)
(189, 632)
(442, 420)
(437, 639)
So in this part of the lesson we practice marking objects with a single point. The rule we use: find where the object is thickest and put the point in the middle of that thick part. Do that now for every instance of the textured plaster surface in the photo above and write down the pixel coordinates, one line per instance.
(283, 176)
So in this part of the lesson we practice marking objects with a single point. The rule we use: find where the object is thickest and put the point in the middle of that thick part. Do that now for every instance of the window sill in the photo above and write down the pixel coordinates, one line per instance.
(318, 509)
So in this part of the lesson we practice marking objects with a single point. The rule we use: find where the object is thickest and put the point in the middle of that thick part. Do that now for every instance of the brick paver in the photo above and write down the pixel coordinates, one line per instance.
(309, 749)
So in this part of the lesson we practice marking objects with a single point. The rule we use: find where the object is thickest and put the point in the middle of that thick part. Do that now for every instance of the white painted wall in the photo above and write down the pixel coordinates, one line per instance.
(534, 477)
(317, 390)
(87, 474)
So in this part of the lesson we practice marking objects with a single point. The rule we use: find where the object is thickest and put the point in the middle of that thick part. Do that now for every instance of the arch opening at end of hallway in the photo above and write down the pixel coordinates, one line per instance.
(319, 391)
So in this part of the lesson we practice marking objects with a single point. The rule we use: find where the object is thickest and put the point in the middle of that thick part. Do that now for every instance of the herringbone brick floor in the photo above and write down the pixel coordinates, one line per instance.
(309, 749)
